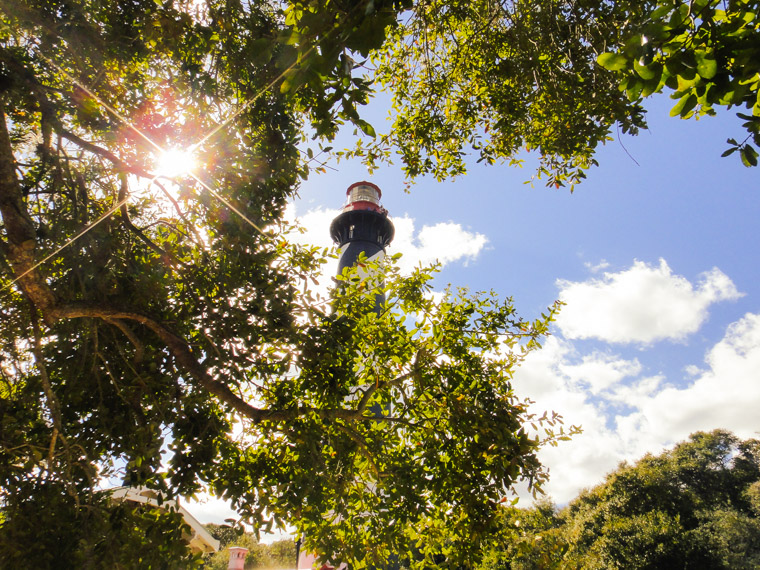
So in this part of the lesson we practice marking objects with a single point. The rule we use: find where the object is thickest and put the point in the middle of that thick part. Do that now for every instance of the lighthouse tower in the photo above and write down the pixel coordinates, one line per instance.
(362, 226)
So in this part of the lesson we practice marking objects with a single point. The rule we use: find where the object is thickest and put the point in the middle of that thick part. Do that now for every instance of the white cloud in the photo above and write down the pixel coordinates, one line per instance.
(625, 413)
(554, 381)
(315, 225)
(600, 370)
(209, 509)
(596, 268)
(726, 394)
(444, 242)
(642, 304)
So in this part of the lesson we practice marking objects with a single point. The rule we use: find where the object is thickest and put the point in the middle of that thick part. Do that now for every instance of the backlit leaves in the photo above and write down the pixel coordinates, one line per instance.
(706, 52)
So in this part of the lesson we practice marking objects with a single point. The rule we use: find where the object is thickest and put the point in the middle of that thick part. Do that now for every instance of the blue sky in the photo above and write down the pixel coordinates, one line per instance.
(656, 257)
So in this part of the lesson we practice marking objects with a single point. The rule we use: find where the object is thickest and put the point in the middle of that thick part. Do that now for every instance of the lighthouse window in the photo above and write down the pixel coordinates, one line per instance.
(364, 194)
(351, 231)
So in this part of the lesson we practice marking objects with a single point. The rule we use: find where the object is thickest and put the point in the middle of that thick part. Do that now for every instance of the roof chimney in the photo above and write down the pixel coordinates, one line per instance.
(237, 558)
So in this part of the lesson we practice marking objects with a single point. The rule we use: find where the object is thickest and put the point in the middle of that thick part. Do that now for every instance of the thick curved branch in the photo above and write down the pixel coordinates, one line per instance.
(185, 358)
(102, 152)
(139, 348)
(19, 249)
(177, 346)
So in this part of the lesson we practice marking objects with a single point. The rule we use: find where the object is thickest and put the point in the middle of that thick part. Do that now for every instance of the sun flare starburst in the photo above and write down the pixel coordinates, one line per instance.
(175, 162)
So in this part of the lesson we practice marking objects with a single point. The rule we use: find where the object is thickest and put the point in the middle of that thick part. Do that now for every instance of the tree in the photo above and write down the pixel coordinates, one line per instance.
(161, 330)
(706, 52)
(256, 557)
(530, 538)
(224, 533)
(42, 524)
(690, 507)
(144, 320)
(282, 553)
(550, 76)
(682, 508)
(491, 77)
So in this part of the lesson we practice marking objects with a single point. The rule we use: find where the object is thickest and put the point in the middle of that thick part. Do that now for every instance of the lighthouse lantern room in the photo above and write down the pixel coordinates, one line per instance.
(362, 226)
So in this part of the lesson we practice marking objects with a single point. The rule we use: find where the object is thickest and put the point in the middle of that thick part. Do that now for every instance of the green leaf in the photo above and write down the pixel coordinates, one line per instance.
(660, 13)
(633, 91)
(612, 61)
(366, 128)
(651, 72)
(684, 105)
(730, 151)
(652, 86)
(707, 67)
(749, 156)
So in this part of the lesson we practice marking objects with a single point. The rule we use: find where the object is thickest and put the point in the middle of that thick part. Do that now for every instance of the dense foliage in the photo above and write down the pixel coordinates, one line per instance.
(707, 52)
(42, 525)
(696, 506)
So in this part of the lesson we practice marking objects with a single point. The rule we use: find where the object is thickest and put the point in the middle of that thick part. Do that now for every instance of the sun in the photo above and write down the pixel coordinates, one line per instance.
(175, 162)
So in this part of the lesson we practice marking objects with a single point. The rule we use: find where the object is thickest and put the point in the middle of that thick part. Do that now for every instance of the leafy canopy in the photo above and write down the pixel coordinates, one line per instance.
(694, 506)
(494, 79)
(706, 52)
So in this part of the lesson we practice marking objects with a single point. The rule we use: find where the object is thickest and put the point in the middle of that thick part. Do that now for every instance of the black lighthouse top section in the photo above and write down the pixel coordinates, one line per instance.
(363, 224)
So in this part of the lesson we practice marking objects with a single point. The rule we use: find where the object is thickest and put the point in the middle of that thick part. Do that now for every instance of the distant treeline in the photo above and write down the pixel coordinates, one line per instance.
(695, 506)
(277, 555)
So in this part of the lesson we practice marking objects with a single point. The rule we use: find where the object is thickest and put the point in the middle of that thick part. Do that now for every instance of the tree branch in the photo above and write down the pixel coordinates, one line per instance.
(359, 441)
(107, 154)
(190, 226)
(185, 358)
(139, 348)
(19, 251)
(395, 382)
(178, 348)
(123, 191)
